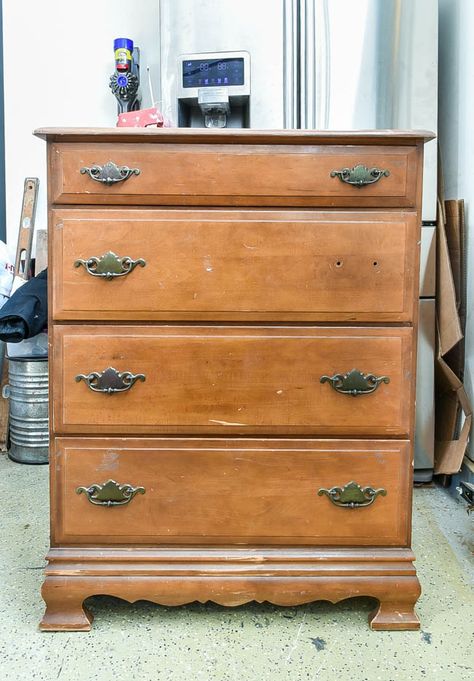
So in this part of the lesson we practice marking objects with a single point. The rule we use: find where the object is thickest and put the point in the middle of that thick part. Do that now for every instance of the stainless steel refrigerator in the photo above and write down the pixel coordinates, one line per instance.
(330, 64)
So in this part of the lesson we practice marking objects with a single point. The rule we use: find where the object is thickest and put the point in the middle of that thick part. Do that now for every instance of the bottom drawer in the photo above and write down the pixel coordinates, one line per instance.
(228, 491)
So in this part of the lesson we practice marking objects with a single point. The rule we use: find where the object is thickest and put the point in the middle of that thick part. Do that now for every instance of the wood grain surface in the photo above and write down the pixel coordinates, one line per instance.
(234, 175)
(235, 135)
(237, 265)
(233, 492)
(232, 379)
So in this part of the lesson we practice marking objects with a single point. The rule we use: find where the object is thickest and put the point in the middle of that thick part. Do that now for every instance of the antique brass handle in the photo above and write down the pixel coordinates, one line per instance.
(110, 173)
(110, 493)
(355, 382)
(352, 495)
(109, 266)
(360, 175)
(110, 380)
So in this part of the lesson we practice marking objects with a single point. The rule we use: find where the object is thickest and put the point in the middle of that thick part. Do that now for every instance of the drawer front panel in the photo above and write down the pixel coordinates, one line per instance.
(231, 491)
(243, 380)
(234, 265)
(234, 174)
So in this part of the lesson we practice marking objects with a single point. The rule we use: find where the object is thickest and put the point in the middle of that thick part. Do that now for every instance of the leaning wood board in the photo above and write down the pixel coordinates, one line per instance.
(233, 361)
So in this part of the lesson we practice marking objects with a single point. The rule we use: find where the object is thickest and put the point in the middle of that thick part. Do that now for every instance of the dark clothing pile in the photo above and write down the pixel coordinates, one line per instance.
(25, 314)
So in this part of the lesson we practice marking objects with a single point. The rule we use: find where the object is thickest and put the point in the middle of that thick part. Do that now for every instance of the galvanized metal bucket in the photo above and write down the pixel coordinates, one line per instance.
(28, 393)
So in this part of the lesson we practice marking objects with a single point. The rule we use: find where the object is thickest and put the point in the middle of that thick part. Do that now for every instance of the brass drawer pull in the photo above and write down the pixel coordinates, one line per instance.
(109, 266)
(110, 493)
(110, 380)
(355, 382)
(352, 495)
(110, 173)
(360, 175)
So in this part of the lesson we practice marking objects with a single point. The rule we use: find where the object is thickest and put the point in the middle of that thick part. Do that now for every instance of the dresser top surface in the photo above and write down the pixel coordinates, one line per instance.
(234, 136)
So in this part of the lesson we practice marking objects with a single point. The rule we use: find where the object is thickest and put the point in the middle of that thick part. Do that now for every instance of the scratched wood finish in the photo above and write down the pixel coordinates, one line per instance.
(230, 578)
(242, 265)
(235, 136)
(230, 492)
(234, 175)
(231, 512)
(243, 380)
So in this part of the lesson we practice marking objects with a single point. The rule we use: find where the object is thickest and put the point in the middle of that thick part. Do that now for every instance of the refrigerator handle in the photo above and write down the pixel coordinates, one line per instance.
(315, 57)
(290, 63)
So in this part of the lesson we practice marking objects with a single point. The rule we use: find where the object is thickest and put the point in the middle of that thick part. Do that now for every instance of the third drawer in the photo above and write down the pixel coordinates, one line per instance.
(233, 379)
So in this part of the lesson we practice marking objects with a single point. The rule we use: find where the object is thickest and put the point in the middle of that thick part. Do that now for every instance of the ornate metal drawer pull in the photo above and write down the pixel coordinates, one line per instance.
(355, 382)
(360, 175)
(109, 266)
(352, 495)
(110, 173)
(110, 380)
(110, 493)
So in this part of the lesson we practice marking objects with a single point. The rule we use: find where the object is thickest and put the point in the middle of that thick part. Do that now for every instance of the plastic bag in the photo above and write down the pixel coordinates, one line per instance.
(7, 273)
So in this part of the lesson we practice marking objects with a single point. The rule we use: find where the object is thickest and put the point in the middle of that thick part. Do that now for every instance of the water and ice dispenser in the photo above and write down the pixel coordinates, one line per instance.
(214, 90)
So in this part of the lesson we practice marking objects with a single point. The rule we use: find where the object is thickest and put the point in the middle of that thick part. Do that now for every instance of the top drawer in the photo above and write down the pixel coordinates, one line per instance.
(235, 174)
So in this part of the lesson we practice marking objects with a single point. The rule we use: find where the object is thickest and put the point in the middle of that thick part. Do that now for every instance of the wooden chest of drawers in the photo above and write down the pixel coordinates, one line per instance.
(233, 333)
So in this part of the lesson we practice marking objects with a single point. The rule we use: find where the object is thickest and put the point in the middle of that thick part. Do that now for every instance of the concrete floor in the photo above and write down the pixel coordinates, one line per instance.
(207, 642)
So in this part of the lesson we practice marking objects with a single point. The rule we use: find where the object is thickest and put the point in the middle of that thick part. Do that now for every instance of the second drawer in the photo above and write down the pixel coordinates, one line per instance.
(254, 265)
(232, 379)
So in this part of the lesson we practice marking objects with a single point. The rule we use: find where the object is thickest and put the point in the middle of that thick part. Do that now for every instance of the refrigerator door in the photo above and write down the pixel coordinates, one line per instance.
(267, 29)
(372, 64)
(424, 431)
(428, 262)
(321, 64)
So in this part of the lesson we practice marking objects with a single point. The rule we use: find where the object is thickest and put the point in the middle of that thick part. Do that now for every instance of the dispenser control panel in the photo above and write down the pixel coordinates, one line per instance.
(206, 70)
(213, 90)
(213, 72)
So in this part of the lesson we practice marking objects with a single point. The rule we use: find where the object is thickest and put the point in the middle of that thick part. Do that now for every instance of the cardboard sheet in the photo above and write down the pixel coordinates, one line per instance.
(453, 408)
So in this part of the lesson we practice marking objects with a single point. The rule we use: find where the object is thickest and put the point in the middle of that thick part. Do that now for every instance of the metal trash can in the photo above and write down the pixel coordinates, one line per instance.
(28, 393)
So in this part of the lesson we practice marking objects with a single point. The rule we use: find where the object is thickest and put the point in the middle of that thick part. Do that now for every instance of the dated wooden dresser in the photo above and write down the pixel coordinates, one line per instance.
(232, 324)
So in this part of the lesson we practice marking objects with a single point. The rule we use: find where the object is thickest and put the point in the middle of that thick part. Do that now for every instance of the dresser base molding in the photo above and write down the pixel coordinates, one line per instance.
(230, 577)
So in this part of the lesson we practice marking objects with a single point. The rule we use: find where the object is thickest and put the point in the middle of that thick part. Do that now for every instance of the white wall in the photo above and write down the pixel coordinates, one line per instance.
(456, 134)
(58, 56)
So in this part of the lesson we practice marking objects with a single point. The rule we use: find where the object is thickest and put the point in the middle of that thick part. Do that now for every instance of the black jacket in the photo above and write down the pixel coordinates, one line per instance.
(25, 314)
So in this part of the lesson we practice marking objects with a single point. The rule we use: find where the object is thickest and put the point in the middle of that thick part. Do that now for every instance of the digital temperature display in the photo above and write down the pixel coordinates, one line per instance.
(213, 72)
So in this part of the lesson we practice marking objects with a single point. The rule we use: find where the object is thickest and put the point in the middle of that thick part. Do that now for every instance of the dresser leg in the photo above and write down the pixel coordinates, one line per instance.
(392, 615)
(64, 606)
